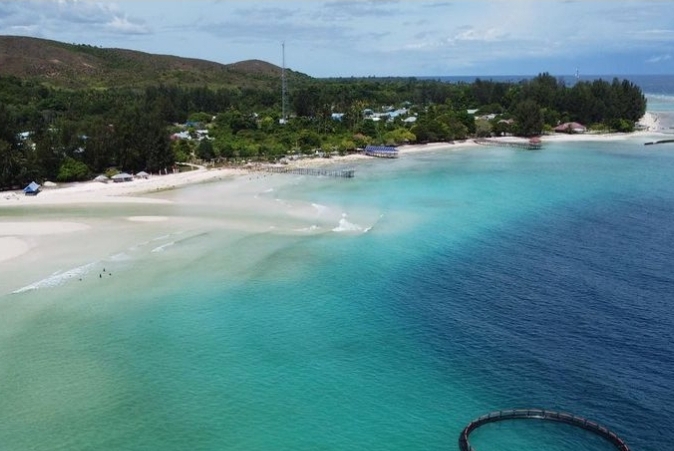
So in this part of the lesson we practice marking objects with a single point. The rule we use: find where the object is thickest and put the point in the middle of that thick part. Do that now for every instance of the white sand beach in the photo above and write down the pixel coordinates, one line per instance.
(124, 192)
(53, 235)
(26, 234)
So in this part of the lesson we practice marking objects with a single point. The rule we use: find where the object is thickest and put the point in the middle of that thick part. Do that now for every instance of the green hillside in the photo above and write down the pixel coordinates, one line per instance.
(83, 66)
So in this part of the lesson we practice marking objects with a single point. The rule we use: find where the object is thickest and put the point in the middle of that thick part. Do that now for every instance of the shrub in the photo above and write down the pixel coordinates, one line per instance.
(72, 170)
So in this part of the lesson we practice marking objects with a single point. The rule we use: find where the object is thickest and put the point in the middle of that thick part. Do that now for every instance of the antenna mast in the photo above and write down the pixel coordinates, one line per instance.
(284, 87)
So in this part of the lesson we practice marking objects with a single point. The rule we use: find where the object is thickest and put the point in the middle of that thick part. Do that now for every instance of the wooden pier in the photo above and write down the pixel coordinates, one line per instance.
(381, 151)
(662, 141)
(538, 414)
(316, 172)
(532, 144)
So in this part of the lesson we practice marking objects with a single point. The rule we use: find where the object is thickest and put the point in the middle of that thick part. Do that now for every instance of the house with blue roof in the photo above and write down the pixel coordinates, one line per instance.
(32, 189)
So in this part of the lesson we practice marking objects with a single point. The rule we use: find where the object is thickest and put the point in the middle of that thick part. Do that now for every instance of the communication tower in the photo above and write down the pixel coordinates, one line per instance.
(284, 87)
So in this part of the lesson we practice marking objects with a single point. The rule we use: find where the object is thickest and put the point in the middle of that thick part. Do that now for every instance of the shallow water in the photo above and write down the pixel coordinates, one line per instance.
(383, 312)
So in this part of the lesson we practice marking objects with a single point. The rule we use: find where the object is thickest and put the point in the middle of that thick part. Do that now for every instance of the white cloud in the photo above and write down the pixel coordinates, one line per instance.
(352, 37)
(124, 25)
(348, 9)
(54, 18)
(471, 34)
(658, 35)
(659, 59)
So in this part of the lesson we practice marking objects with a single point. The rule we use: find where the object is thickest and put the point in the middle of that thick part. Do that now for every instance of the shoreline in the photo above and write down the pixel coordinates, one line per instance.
(130, 192)
(123, 192)
(19, 236)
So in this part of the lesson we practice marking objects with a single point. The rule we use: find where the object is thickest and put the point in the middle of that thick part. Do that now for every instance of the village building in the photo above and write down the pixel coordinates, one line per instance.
(32, 189)
(122, 177)
(570, 127)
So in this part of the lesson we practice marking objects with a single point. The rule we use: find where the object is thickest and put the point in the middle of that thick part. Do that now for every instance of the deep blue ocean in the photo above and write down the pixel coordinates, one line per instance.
(456, 283)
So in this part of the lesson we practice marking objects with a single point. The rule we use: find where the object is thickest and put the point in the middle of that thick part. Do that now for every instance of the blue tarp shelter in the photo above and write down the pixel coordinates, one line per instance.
(32, 189)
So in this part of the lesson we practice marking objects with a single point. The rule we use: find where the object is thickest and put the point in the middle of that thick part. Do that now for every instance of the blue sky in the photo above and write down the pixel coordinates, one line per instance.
(372, 37)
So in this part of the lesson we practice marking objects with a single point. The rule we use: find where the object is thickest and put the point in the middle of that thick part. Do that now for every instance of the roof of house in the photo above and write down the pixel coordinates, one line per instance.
(380, 149)
(31, 188)
(569, 126)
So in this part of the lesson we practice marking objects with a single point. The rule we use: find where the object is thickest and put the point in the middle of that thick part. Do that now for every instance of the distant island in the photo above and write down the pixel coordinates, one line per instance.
(70, 112)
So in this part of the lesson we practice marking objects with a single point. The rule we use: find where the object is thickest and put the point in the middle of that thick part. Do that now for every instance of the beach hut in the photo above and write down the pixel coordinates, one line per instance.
(142, 175)
(122, 177)
(32, 189)
(101, 178)
(571, 127)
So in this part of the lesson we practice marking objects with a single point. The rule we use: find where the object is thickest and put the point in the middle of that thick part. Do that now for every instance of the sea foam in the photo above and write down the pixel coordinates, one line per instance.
(346, 226)
(58, 278)
(163, 247)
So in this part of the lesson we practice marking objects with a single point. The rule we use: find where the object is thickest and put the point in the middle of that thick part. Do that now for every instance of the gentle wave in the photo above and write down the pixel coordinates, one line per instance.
(661, 97)
(180, 241)
(58, 278)
(367, 229)
(311, 228)
(163, 247)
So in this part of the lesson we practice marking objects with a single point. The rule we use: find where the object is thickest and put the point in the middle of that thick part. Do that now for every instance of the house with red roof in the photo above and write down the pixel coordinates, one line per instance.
(571, 127)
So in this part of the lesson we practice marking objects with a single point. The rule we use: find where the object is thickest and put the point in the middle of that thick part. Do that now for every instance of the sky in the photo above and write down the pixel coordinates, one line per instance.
(344, 38)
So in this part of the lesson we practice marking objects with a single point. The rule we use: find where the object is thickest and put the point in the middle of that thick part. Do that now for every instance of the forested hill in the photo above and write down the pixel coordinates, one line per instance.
(83, 66)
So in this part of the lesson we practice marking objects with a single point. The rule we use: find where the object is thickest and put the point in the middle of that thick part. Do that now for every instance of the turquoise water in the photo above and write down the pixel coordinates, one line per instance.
(455, 283)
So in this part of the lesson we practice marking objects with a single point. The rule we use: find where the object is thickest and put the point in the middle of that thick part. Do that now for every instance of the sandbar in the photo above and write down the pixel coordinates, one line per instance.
(147, 218)
(11, 247)
(39, 228)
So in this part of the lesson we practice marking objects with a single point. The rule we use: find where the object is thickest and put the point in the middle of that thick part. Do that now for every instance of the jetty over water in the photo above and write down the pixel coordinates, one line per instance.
(531, 144)
(661, 141)
(538, 414)
(317, 172)
(381, 151)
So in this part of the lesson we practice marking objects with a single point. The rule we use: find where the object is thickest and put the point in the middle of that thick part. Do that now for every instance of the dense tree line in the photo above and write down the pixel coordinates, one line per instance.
(66, 135)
